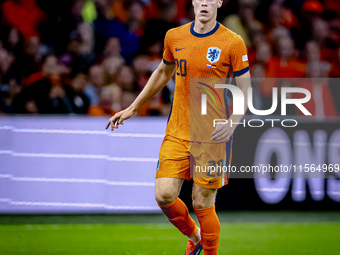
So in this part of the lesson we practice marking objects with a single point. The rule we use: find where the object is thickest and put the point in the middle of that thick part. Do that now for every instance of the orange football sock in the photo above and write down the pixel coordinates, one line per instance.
(210, 229)
(178, 214)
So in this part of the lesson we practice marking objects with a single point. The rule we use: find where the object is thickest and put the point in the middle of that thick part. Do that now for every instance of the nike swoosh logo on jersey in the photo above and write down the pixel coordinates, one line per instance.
(213, 181)
(209, 241)
(179, 49)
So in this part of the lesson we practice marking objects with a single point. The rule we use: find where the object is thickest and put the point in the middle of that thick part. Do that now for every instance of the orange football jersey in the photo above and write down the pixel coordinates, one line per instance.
(217, 55)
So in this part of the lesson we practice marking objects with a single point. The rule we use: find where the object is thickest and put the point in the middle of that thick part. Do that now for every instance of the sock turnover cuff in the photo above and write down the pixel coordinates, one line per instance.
(169, 206)
(205, 212)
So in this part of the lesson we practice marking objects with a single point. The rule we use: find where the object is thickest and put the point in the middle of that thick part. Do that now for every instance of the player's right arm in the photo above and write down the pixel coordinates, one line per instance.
(157, 81)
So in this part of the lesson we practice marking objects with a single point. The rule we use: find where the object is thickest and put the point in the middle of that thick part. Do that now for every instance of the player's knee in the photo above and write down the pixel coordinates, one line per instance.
(198, 204)
(203, 198)
(164, 197)
(201, 203)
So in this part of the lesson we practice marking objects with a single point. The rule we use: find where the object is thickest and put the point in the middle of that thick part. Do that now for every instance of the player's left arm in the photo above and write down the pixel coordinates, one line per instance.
(223, 132)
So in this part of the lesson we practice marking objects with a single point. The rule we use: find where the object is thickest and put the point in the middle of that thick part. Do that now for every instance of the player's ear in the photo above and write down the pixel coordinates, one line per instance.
(220, 2)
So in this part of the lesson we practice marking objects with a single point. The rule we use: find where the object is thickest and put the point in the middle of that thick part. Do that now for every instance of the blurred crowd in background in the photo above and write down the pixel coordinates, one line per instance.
(95, 56)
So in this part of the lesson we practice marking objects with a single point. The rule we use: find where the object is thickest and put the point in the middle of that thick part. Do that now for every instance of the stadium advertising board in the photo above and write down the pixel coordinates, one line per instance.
(54, 165)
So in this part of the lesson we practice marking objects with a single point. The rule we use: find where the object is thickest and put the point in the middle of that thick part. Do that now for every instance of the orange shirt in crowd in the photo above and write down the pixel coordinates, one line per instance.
(321, 103)
(275, 68)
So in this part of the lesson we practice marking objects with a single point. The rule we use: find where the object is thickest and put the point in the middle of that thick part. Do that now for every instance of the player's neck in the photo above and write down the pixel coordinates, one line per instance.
(203, 28)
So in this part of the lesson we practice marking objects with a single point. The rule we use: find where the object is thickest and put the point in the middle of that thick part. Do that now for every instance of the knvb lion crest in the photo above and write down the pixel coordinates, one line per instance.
(213, 54)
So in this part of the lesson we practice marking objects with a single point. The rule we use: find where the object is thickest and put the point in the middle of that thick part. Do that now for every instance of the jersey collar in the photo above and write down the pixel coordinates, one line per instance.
(206, 34)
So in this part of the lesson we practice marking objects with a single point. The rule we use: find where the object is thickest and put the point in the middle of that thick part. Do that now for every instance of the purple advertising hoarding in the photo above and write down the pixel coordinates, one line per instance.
(72, 164)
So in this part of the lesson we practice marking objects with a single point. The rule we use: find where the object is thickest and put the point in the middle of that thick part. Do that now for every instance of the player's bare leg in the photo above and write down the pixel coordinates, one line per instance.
(204, 205)
(166, 191)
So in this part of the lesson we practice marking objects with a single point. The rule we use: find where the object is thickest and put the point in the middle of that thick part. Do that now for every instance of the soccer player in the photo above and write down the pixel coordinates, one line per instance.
(200, 49)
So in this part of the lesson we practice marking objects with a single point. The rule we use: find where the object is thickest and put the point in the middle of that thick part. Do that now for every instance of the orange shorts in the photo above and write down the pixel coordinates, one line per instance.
(206, 163)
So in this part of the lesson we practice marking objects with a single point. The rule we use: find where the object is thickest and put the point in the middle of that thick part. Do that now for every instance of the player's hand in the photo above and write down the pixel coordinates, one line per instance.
(222, 133)
(119, 117)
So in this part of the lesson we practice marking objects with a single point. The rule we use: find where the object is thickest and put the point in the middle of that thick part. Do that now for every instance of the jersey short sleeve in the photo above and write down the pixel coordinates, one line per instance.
(168, 57)
(239, 57)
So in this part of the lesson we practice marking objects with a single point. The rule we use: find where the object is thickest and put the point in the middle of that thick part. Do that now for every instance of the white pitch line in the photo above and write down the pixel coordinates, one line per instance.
(75, 180)
(79, 132)
(79, 205)
(131, 135)
(76, 156)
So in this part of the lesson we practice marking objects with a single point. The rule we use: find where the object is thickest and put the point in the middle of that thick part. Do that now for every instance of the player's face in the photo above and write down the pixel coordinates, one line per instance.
(205, 10)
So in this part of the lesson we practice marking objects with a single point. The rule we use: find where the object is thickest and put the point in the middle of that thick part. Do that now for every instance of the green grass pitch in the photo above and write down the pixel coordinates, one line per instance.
(264, 233)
